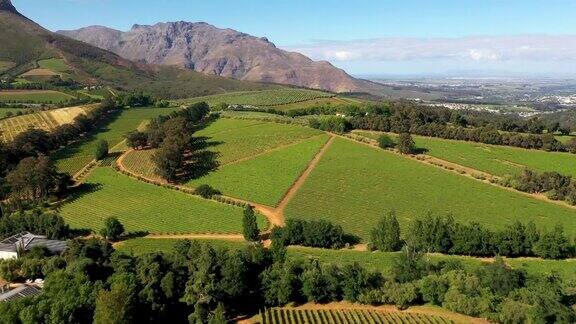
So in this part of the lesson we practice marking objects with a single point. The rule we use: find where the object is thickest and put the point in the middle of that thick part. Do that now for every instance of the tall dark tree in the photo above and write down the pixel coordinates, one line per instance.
(33, 179)
(386, 235)
(406, 144)
(101, 151)
(113, 229)
(250, 225)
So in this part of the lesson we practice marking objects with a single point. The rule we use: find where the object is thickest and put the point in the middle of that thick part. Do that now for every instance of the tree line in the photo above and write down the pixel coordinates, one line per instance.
(199, 283)
(437, 234)
(27, 174)
(553, 184)
(487, 135)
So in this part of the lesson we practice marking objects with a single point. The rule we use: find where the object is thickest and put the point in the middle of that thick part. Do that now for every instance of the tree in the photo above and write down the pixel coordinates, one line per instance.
(117, 305)
(406, 144)
(101, 150)
(218, 316)
(386, 235)
(33, 179)
(250, 225)
(136, 139)
(553, 244)
(168, 160)
(113, 229)
(571, 146)
(385, 141)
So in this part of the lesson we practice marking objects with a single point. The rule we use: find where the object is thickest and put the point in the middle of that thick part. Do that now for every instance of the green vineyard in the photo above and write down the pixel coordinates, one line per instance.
(265, 98)
(346, 316)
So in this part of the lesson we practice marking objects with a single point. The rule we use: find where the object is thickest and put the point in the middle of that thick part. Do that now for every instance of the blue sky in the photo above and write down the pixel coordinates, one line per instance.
(350, 33)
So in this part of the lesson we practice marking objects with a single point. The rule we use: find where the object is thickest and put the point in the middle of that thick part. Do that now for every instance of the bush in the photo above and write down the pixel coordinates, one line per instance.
(113, 229)
(206, 191)
(101, 150)
(313, 233)
(385, 141)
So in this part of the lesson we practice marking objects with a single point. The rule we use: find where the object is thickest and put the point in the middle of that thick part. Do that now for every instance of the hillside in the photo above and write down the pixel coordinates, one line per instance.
(24, 43)
(224, 52)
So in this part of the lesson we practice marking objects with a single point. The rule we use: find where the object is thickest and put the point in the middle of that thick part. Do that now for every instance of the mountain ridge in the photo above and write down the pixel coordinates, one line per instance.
(23, 43)
(224, 52)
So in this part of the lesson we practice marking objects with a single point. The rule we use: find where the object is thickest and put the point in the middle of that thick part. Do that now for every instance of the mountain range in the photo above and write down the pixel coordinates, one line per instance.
(23, 43)
(223, 52)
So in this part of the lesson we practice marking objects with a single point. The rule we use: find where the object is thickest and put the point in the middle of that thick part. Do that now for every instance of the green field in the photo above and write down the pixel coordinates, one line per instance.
(493, 159)
(4, 111)
(54, 64)
(264, 98)
(348, 316)
(74, 157)
(143, 245)
(146, 207)
(34, 96)
(266, 178)
(383, 261)
(236, 139)
(373, 261)
(259, 161)
(354, 185)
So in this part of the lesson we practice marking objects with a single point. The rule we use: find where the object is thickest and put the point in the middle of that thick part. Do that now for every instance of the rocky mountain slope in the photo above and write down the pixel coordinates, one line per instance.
(224, 52)
(23, 43)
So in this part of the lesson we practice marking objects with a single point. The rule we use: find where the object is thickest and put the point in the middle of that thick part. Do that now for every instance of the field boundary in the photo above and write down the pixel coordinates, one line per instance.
(293, 190)
(272, 150)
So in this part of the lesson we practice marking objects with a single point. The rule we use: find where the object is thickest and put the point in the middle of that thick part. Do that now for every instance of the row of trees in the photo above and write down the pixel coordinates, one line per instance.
(553, 184)
(488, 135)
(405, 143)
(27, 174)
(444, 235)
(335, 124)
(311, 233)
(172, 137)
(198, 283)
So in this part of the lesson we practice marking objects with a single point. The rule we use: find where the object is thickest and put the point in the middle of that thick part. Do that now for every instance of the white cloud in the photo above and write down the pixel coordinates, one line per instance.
(473, 49)
(483, 54)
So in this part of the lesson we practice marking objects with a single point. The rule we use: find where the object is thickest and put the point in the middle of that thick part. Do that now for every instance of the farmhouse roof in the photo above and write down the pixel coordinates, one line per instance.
(27, 240)
(21, 292)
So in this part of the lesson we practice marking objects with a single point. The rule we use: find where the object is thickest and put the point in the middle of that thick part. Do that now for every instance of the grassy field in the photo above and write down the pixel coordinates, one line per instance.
(145, 207)
(259, 161)
(265, 98)
(47, 120)
(34, 96)
(54, 64)
(348, 316)
(493, 159)
(354, 185)
(236, 139)
(327, 101)
(383, 261)
(74, 157)
(5, 111)
(565, 138)
(143, 245)
(374, 261)
(264, 179)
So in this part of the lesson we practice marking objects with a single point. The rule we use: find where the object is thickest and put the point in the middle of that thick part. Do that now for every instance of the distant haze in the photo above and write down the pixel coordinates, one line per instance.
(523, 55)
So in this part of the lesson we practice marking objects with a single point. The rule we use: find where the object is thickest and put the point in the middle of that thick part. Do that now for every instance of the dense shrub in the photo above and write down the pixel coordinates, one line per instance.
(310, 233)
